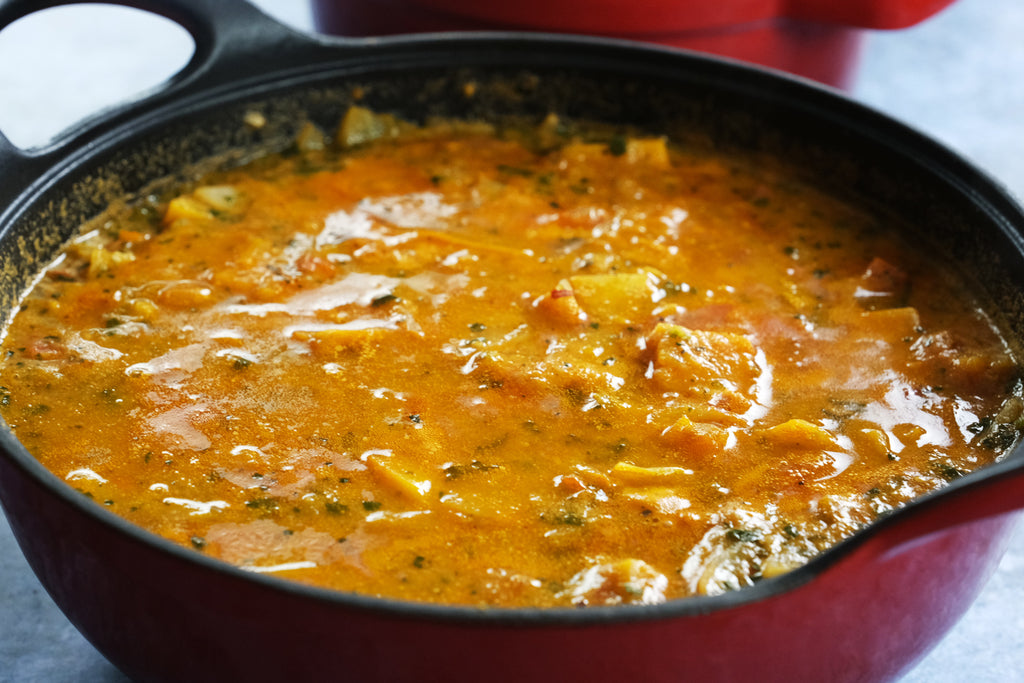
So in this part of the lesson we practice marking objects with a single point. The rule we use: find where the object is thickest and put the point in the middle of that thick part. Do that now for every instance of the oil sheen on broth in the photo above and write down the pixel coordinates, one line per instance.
(533, 366)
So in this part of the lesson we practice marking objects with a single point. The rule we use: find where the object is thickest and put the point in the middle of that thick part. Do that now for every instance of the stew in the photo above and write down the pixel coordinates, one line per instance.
(505, 366)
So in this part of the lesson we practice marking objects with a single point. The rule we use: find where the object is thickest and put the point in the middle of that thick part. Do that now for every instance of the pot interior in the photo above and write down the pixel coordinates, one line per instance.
(836, 144)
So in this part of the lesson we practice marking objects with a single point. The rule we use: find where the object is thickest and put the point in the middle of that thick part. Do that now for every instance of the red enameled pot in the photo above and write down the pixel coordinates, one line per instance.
(819, 39)
(865, 610)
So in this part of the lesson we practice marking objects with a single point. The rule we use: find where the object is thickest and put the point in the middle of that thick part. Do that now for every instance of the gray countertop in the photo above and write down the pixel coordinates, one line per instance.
(958, 77)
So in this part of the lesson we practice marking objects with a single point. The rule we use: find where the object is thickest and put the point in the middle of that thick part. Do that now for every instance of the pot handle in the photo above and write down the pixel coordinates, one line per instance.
(876, 14)
(234, 39)
(234, 42)
(999, 491)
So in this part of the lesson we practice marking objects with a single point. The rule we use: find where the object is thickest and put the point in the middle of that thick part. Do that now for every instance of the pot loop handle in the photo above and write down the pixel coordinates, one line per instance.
(234, 42)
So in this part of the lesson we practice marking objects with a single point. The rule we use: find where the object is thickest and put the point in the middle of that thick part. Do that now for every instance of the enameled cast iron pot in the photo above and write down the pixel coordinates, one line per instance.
(866, 610)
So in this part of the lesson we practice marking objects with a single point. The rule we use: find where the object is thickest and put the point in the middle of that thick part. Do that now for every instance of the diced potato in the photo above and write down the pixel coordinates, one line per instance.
(592, 477)
(143, 308)
(393, 475)
(704, 413)
(361, 125)
(977, 370)
(909, 434)
(220, 198)
(649, 151)
(980, 368)
(187, 207)
(696, 439)
(871, 442)
(802, 299)
(185, 294)
(628, 473)
(333, 343)
(797, 433)
(583, 153)
(731, 402)
(254, 119)
(101, 260)
(616, 297)
(550, 133)
(891, 323)
(664, 500)
(310, 138)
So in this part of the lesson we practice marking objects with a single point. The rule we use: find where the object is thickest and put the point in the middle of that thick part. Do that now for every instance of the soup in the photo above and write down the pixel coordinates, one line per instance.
(505, 366)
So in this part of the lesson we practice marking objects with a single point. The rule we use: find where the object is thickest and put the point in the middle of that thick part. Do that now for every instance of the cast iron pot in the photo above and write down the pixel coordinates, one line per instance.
(866, 610)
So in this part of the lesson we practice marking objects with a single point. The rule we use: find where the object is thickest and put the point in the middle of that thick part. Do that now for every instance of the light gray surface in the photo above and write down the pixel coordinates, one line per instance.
(958, 77)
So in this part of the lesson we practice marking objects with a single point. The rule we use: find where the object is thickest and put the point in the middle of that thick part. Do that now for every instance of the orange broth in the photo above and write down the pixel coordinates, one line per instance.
(504, 368)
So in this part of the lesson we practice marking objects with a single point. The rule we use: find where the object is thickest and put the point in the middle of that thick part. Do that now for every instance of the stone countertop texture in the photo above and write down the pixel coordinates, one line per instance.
(958, 77)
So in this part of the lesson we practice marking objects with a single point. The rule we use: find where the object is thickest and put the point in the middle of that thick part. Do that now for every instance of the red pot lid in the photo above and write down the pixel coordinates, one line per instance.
(661, 16)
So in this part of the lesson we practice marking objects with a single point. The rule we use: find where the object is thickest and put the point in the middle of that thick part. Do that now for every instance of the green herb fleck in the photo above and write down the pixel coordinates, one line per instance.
(515, 170)
(571, 519)
(384, 299)
(333, 507)
(979, 426)
(617, 145)
(1001, 437)
(582, 186)
(743, 535)
(947, 471)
